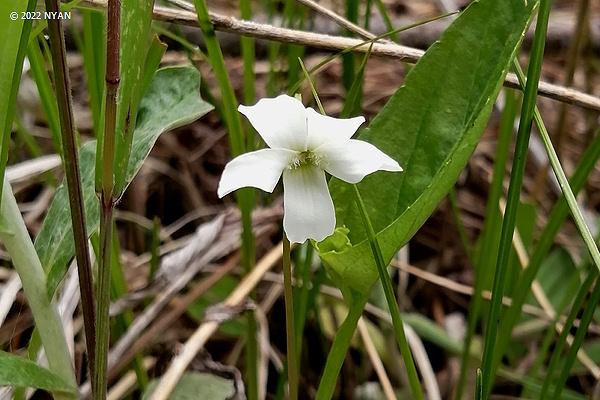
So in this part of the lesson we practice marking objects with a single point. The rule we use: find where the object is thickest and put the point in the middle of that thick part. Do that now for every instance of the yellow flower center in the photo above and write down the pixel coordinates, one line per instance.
(306, 158)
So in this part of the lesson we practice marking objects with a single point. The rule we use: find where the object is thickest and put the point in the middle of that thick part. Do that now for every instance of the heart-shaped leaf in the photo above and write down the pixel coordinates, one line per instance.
(172, 100)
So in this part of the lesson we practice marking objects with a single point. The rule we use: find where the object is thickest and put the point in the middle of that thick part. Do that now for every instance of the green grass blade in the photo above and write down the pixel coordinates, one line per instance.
(392, 303)
(388, 21)
(303, 274)
(94, 53)
(177, 37)
(478, 386)
(46, 91)
(15, 35)
(293, 88)
(32, 147)
(562, 339)
(516, 180)
(586, 318)
(567, 191)
(460, 226)
(555, 220)
(486, 251)
(297, 20)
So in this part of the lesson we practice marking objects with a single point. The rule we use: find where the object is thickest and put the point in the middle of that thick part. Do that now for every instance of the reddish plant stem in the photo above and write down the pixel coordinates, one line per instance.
(72, 172)
(107, 200)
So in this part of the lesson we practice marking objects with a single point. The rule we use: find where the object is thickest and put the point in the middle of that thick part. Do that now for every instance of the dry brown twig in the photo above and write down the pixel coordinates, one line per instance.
(386, 385)
(337, 43)
(206, 330)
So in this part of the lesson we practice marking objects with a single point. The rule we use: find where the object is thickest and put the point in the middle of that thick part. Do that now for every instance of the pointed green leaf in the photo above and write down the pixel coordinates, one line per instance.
(136, 17)
(172, 100)
(20, 372)
(430, 126)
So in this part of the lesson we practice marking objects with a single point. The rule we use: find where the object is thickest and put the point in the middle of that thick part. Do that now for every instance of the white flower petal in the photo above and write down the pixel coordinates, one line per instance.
(323, 129)
(351, 161)
(308, 208)
(260, 169)
(281, 122)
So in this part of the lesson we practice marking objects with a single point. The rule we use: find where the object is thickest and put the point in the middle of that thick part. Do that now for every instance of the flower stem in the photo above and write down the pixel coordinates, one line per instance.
(388, 290)
(292, 364)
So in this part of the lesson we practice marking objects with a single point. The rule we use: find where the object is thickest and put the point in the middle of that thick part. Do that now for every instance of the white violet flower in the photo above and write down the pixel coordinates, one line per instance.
(303, 144)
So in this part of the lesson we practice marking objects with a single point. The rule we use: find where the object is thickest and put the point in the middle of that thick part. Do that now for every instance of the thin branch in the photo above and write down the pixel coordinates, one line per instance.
(337, 43)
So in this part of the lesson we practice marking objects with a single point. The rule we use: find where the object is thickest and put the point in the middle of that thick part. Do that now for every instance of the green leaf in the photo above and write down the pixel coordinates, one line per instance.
(20, 372)
(172, 100)
(136, 18)
(430, 126)
(156, 50)
(196, 385)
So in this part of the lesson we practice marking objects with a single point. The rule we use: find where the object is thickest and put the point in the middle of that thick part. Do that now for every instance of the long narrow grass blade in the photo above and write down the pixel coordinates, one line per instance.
(518, 170)
(94, 52)
(564, 183)
(486, 253)
(586, 318)
(545, 242)
(14, 36)
(46, 91)
(562, 339)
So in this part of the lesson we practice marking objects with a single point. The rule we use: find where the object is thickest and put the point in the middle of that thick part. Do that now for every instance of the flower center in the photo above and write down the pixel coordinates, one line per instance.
(306, 158)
